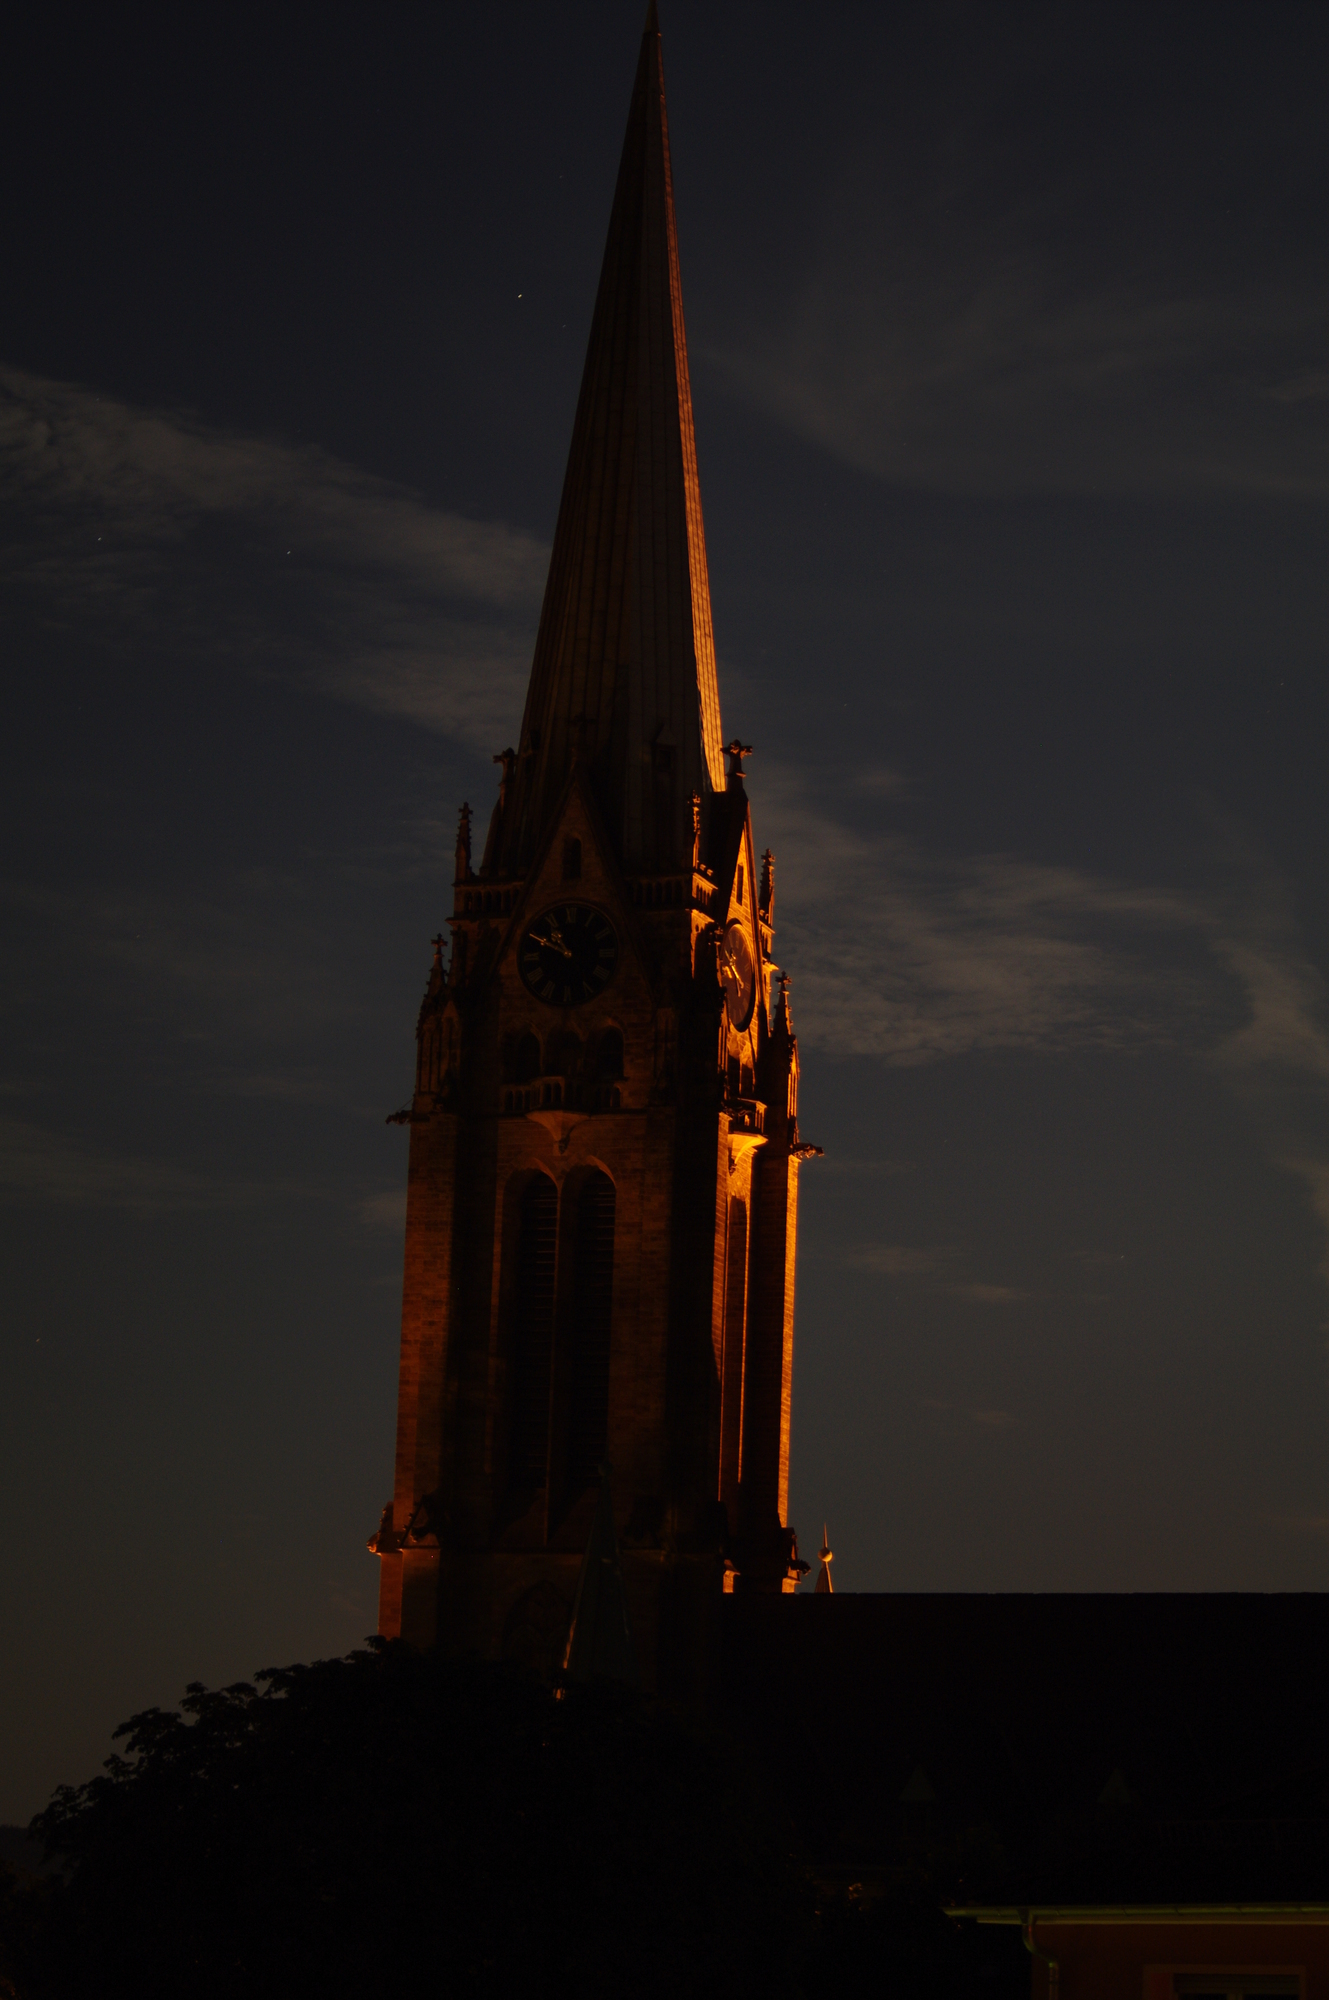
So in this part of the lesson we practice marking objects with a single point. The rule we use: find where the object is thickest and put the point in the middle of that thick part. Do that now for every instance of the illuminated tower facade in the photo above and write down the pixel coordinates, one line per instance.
(604, 1146)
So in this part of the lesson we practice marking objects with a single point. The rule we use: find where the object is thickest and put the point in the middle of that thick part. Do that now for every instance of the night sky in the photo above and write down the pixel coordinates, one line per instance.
(1009, 332)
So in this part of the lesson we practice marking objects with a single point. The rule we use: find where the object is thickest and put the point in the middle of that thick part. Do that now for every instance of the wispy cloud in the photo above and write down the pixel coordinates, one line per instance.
(1285, 998)
(1299, 1524)
(952, 338)
(897, 1260)
(913, 959)
(385, 1211)
(1008, 387)
(243, 959)
(935, 1265)
(42, 1166)
(987, 1420)
(1309, 385)
(145, 520)
(277, 558)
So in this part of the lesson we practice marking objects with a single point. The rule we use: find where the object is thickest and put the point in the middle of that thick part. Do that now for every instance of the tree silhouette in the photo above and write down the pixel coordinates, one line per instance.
(354, 1824)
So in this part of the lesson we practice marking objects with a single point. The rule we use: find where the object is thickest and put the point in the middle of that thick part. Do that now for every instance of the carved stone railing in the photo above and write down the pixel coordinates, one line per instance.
(659, 892)
(474, 899)
(544, 1093)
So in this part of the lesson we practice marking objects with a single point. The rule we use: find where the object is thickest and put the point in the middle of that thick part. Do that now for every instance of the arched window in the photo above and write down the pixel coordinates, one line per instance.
(571, 860)
(563, 1057)
(526, 1059)
(532, 1333)
(609, 1055)
(732, 1358)
(590, 1313)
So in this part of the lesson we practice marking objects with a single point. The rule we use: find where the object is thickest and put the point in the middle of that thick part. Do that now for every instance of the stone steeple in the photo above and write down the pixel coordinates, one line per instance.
(602, 1195)
(623, 681)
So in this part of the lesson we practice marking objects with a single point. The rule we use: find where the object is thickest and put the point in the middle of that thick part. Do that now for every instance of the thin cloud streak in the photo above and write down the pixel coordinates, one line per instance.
(949, 330)
(898, 1260)
(915, 960)
(931, 1264)
(367, 595)
(1008, 388)
(41, 1166)
(912, 960)
(271, 558)
(386, 1210)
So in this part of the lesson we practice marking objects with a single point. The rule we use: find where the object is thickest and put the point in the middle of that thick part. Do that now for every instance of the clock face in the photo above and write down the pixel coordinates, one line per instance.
(738, 974)
(568, 954)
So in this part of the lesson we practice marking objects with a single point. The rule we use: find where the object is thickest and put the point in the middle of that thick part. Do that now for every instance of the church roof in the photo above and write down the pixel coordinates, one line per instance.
(624, 672)
(1137, 1748)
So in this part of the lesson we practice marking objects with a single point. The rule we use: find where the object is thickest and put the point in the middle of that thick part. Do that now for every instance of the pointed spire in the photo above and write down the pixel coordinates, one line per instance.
(624, 671)
(462, 872)
(784, 1017)
(508, 759)
(824, 1586)
(599, 1644)
(766, 894)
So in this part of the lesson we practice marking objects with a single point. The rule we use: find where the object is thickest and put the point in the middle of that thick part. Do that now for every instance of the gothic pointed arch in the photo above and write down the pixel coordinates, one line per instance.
(530, 1257)
(585, 1322)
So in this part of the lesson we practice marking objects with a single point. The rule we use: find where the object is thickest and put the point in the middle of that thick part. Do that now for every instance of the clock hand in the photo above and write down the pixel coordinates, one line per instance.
(555, 941)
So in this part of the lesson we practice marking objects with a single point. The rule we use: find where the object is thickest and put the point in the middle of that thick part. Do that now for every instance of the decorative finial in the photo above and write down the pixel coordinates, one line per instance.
(784, 1019)
(508, 759)
(766, 896)
(438, 975)
(463, 873)
(736, 752)
(824, 1586)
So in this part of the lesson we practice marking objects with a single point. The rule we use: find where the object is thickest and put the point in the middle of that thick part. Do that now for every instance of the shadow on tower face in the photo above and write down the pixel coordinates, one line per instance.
(559, 1250)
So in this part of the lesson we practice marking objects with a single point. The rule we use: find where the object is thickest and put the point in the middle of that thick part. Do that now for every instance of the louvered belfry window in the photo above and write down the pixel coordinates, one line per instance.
(533, 1333)
(589, 1320)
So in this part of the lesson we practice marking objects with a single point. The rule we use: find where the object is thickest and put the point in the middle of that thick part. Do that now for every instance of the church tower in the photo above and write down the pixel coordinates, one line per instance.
(604, 1146)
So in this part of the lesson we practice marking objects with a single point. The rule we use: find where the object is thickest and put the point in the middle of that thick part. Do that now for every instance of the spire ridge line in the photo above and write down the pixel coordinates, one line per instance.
(624, 670)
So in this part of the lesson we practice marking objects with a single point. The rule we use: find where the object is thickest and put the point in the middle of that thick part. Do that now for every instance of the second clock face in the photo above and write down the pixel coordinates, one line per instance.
(738, 975)
(568, 954)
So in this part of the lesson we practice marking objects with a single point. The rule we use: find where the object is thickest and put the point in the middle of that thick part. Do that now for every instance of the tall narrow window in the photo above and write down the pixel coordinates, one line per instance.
(735, 1344)
(532, 1333)
(571, 860)
(526, 1060)
(589, 1321)
(563, 1054)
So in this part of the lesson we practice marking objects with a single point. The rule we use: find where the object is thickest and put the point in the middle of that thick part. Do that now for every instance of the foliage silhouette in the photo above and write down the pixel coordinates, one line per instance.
(341, 1827)
(358, 1825)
